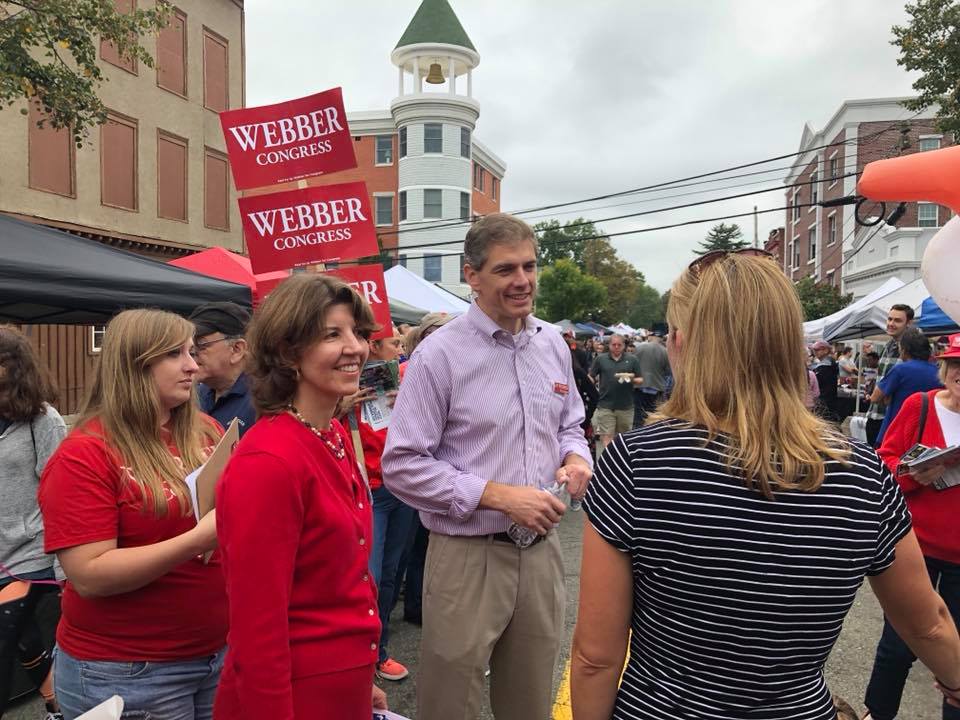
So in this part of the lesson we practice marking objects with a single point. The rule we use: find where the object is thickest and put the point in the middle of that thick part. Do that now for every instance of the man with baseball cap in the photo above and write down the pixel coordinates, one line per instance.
(221, 352)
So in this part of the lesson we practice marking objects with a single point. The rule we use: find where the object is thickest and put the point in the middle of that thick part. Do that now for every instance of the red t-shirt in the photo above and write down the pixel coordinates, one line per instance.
(295, 527)
(87, 496)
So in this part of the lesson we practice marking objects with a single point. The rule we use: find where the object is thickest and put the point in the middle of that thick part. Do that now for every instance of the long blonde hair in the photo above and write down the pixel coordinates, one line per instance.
(740, 371)
(124, 399)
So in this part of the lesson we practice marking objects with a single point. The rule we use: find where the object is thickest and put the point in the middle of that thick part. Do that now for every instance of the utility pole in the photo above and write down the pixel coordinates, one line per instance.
(756, 232)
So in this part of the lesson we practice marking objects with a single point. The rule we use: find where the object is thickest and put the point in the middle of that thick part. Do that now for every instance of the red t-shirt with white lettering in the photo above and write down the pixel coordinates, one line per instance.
(86, 495)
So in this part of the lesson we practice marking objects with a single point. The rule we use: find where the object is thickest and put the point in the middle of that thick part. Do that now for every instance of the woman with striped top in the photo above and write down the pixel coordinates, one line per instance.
(732, 532)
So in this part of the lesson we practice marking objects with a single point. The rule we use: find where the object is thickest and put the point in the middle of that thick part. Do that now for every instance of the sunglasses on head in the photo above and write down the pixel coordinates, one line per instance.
(708, 259)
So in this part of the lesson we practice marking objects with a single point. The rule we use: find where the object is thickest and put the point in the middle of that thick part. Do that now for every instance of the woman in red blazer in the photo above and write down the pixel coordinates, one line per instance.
(294, 519)
(935, 514)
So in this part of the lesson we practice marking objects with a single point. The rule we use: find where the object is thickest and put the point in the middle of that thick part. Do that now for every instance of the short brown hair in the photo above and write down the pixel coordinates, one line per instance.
(496, 228)
(25, 384)
(288, 322)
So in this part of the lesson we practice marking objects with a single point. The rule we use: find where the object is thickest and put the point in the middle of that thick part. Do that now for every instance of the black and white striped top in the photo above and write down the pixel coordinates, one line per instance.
(738, 600)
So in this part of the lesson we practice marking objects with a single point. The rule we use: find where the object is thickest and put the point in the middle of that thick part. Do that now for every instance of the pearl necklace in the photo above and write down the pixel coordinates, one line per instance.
(338, 450)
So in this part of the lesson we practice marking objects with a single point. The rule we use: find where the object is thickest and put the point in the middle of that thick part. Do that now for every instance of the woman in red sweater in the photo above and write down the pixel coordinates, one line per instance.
(143, 616)
(294, 519)
(935, 514)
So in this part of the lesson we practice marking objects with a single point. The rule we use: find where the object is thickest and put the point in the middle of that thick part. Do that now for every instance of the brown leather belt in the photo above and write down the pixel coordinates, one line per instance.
(504, 537)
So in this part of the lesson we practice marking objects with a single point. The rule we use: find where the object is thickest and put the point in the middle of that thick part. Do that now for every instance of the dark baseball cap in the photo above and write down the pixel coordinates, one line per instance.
(225, 317)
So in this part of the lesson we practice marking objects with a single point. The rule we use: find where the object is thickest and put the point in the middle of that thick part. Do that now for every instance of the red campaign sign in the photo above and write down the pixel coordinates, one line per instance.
(329, 223)
(368, 281)
(288, 141)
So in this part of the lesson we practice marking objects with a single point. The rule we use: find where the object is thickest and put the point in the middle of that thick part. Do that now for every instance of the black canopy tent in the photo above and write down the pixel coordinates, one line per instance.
(51, 276)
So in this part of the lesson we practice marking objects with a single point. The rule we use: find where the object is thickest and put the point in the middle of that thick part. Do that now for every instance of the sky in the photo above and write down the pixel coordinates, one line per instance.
(582, 99)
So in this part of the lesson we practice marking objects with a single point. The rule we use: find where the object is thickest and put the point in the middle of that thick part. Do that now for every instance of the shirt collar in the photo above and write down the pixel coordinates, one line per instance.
(487, 328)
(239, 387)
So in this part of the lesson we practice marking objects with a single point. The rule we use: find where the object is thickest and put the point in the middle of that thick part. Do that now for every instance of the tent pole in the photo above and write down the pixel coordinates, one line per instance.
(859, 376)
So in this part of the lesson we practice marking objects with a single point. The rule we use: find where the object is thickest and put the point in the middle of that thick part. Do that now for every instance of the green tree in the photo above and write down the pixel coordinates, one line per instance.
(562, 242)
(621, 279)
(930, 44)
(820, 299)
(647, 308)
(567, 293)
(722, 237)
(49, 49)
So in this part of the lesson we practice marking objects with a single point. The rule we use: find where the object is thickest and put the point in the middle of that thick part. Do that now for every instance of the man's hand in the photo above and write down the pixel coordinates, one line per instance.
(637, 380)
(576, 476)
(529, 507)
(379, 699)
(931, 474)
(349, 402)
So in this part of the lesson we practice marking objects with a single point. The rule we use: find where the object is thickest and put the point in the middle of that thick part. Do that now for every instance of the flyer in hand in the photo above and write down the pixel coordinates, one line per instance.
(921, 457)
(381, 377)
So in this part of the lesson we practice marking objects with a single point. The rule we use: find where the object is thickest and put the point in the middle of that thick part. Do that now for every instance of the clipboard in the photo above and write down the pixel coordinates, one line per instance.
(202, 482)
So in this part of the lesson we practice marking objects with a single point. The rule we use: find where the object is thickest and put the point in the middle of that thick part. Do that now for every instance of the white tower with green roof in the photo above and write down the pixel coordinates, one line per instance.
(435, 115)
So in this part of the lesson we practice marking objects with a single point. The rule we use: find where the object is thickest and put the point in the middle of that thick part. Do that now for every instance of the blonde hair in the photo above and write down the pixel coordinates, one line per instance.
(124, 399)
(743, 311)
(944, 367)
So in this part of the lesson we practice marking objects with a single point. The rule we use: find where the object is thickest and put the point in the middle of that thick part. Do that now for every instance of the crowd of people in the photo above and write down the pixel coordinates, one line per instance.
(729, 527)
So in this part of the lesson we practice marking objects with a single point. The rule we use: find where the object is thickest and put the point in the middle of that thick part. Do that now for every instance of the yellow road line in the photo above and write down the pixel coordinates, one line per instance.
(561, 705)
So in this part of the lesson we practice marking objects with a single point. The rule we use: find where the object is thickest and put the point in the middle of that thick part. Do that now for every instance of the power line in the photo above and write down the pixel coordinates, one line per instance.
(453, 222)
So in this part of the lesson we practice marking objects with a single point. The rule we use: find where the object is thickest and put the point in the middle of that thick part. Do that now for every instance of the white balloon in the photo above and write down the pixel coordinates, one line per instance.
(941, 268)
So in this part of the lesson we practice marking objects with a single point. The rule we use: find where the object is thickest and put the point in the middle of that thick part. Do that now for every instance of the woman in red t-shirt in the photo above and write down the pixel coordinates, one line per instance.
(294, 521)
(143, 616)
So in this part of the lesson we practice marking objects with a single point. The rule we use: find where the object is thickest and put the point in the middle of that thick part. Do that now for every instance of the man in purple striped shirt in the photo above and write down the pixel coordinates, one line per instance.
(488, 416)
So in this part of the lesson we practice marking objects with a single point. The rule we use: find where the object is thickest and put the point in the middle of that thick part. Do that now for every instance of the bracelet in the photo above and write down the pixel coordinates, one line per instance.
(946, 687)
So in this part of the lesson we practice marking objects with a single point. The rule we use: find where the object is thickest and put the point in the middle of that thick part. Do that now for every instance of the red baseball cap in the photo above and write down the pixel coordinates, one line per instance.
(953, 349)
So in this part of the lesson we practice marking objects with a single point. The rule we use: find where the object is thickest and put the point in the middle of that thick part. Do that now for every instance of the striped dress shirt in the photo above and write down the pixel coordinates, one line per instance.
(479, 404)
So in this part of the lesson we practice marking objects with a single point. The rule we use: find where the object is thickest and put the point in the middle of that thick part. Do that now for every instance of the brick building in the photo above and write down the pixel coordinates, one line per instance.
(775, 245)
(818, 241)
(153, 180)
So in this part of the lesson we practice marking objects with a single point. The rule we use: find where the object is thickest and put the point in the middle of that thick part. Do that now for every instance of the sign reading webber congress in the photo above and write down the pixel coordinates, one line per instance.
(288, 141)
(368, 281)
(321, 224)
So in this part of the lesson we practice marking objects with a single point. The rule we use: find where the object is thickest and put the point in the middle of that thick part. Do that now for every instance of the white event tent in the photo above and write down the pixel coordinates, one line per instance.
(872, 319)
(814, 329)
(412, 289)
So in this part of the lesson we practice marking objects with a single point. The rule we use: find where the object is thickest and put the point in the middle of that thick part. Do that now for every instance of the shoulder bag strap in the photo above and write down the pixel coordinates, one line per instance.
(924, 408)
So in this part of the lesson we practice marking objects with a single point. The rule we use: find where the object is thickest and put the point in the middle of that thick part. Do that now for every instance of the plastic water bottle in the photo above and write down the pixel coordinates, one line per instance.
(524, 537)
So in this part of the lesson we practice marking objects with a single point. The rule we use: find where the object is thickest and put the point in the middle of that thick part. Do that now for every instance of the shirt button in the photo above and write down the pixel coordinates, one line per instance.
(360, 505)
(366, 577)
(373, 646)
(370, 611)
(362, 541)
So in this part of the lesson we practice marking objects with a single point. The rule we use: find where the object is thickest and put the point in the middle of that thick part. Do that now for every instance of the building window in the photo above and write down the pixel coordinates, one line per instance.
(51, 155)
(433, 138)
(494, 187)
(118, 162)
(171, 177)
(384, 209)
(433, 204)
(796, 205)
(402, 260)
(814, 190)
(384, 150)
(109, 52)
(478, 177)
(830, 278)
(432, 265)
(172, 55)
(831, 229)
(929, 144)
(834, 168)
(403, 142)
(464, 206)
(795, 253)
(216, 92)
(96, 338)
(812, 244)
(928, 215)
(465, 142)
(216, 190)
(463, 260)
(403, 205)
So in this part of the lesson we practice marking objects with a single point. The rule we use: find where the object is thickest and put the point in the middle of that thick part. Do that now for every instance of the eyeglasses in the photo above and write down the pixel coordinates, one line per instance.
(708, 259)
(199, 347)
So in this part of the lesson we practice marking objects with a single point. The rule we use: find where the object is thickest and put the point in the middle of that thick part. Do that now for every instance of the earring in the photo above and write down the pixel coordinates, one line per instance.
(296, 372)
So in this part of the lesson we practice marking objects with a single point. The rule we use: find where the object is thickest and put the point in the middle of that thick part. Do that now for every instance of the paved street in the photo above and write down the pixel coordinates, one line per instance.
(847, 670)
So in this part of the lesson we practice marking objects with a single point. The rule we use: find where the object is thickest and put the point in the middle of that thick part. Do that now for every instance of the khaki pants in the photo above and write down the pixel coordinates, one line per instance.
(490, 603)
(612, 422)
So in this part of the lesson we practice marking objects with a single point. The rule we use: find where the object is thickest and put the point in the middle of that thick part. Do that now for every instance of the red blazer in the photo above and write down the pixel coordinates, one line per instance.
(935, 512)
(295, 529)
